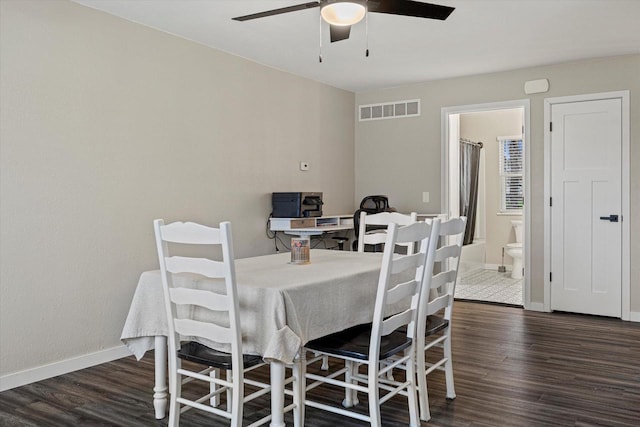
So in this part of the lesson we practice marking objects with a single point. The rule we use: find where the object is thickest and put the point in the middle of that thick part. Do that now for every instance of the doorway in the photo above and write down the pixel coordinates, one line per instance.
(502, 130)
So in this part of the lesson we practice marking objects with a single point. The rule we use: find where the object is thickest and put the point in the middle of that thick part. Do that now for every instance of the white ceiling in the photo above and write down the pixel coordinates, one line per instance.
(480, 36)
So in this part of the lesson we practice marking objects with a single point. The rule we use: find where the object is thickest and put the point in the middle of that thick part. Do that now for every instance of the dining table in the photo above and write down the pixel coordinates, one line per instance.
(283, 305)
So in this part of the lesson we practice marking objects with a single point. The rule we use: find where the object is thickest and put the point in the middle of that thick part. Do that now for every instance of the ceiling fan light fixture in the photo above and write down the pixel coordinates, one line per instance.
(343, 13)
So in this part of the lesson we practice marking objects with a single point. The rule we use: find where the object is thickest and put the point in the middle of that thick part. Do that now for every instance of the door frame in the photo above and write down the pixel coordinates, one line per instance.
(445, 112)
(626, 231)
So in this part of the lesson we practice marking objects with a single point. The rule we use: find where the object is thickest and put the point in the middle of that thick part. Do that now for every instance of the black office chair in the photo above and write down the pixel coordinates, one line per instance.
(340, 240)
(370, 205)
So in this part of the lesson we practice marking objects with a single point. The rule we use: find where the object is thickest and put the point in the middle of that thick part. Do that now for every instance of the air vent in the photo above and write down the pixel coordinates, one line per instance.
(390, 110)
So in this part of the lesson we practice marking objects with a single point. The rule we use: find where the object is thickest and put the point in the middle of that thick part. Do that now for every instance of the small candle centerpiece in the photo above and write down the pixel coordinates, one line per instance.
(300, 250)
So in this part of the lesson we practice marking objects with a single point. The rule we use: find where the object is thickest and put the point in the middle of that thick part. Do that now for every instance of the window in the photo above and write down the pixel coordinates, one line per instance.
(511, 174)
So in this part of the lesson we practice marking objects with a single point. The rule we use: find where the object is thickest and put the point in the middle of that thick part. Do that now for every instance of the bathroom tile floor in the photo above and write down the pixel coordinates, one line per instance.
(491, 286)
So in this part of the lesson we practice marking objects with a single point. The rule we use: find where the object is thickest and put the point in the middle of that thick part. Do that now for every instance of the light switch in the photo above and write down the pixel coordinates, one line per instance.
(425, 197)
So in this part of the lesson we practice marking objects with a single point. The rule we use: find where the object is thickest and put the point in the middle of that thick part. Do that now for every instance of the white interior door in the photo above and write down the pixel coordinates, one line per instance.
(586, 212)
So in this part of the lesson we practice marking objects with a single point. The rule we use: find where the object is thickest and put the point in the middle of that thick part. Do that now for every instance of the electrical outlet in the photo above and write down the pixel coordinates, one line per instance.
(304, 166)
(425, 197)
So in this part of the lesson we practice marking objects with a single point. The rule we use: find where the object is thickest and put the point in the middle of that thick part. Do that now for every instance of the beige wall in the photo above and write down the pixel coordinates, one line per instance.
(106, 125)
(408, 149)
(486, 127)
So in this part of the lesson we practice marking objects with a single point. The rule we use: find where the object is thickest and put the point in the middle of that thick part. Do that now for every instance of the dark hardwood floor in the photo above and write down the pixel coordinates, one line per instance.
(512, 368)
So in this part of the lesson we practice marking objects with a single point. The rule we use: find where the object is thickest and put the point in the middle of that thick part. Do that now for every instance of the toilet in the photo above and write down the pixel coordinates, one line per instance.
(514, 250)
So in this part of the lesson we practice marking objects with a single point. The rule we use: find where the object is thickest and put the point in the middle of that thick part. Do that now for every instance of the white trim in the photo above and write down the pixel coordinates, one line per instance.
(547, 211)
(536, 306)
(494, 267)
(40, 373)
(509, 138)
(634, 316)
(444, 199)
(626, 231)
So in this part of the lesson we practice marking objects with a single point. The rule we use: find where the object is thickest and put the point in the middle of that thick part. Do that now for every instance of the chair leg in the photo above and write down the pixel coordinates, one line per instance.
(354, 372)
(374, 399)
(448, 368)
(169, 353)
(389, 372)
(175, 390)
(325, 363)
(423, 393)
(350, 396)
(412, 399)
(299, 389)
(236, 404)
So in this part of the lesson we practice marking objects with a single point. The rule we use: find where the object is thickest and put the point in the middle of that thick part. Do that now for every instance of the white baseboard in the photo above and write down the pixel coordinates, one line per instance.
(495, 267)
(634, 316)
(536, 306)
(40, 373)
(478, 266)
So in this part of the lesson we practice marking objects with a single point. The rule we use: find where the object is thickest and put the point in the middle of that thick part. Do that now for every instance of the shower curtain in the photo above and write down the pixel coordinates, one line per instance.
(469, 168)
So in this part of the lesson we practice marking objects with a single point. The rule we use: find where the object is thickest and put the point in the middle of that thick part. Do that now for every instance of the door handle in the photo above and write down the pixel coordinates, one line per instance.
(612, 218)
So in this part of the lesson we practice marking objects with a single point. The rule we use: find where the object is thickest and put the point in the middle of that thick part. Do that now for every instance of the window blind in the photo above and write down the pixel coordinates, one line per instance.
(511, 174)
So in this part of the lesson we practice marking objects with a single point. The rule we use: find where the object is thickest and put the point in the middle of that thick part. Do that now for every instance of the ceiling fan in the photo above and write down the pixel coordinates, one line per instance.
(341, 15)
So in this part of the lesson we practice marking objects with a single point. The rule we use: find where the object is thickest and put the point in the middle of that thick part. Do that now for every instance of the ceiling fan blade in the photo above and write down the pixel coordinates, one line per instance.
(339, 32)
(410, 8)
(295, 8)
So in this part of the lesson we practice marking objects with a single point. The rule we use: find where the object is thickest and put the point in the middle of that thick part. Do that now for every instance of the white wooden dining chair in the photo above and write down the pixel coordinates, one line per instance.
(208, 316)
(370, 344)
(435, 311)
(376, 237)
(373, 226)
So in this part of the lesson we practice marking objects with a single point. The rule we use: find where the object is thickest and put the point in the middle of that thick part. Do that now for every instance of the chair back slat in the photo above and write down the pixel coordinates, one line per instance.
(413, 231)
(386, 218)
(200, 298)
(438, 303)
(403, 263)
(382, 219)
(402, 291)
(190, 233)
(209, 331)
(442, 278)
(376, 238)
(202, 266)
(396, 321)
(453, 227)
(449, 251)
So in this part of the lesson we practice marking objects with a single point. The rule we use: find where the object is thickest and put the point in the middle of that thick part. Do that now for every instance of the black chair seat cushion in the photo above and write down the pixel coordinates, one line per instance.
(435, 324)
(199, 353)
(354, 343)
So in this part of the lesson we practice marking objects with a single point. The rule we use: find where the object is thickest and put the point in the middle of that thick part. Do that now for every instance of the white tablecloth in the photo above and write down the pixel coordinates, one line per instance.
(282, 305)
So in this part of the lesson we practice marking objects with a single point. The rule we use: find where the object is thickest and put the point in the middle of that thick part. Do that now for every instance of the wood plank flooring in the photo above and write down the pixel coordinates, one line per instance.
(512, 368)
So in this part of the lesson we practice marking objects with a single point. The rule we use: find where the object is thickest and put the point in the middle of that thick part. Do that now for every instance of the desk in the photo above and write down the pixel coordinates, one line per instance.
(282, 307)
(304, 227)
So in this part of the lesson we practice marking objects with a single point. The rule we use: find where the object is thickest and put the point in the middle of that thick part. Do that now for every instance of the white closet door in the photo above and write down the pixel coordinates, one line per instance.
(586, 186)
